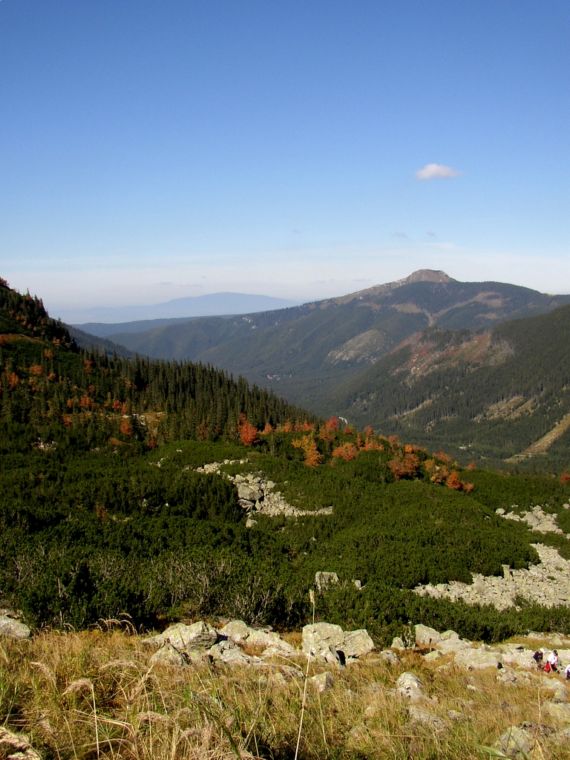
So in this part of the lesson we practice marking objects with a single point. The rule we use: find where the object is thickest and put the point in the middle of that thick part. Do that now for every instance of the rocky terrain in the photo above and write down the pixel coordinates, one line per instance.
(546, 583)
(257, 494)
(431, 690)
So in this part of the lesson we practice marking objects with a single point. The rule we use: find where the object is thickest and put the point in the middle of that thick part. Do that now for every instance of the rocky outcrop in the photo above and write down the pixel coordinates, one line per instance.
(330, 643)
(546, 583)
(198, 636)
(256, 494)
(536, 518)
(238, 632)
(183, 645)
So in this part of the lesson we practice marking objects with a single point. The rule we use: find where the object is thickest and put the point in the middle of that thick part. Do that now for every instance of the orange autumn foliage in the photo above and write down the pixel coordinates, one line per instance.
(246, 431)
(346, 451)
(308, 445)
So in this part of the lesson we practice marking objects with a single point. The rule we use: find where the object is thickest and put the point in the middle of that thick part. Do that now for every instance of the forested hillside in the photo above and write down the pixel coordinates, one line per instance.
(487, 394)
(305, 353)
(106, 508)
(51, 391)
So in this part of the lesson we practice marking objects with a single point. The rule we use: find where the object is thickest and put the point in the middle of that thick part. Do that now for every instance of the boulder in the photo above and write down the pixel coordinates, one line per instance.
(356, 644)
(229, 653)
(236, 630)
(199, 635)
(331, 643)
(318, 639)
(269, 639)
(419, 715)
(13, 629)
(169, 655)
(426, 636)
(477, 659)
(410, 687)
(558, 711)
(324, 579)
(516, 743)
(389, 657)
(249, 492)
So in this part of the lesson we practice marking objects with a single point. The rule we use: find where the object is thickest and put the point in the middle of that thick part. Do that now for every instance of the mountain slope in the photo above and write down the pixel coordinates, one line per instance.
(493, 393)
(306, 352)
(52, 390)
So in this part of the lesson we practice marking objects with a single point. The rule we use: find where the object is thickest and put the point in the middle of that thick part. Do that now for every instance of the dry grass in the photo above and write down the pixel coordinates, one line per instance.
(93, 695)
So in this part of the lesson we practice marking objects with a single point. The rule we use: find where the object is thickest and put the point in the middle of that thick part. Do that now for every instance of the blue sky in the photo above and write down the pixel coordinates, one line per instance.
(153, 150)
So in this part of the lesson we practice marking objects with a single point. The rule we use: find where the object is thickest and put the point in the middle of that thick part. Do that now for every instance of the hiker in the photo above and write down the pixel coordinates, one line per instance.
(552, 662)
(538, 657)
(567, 672)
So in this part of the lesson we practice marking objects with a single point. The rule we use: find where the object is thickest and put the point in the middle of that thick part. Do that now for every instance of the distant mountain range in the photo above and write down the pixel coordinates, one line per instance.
(424, 355)
(96, 319)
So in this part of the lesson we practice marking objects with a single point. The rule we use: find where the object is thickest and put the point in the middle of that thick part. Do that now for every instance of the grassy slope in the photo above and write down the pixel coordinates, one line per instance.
(80, 696)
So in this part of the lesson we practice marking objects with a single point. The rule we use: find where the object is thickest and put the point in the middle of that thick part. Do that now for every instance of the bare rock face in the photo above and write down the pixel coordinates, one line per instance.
(16, 746)
(256, 494)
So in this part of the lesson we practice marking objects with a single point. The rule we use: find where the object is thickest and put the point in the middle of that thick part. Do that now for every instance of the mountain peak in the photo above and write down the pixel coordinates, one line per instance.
(420, 275)
(426, 275)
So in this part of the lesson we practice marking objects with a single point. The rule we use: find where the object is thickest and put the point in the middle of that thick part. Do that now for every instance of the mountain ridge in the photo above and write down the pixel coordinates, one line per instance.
(307, 353)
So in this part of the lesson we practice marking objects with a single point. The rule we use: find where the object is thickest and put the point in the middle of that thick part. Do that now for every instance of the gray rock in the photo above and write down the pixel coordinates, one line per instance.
(199, 635)
(507, 677)
(516, 743)
(558, 711)
(325, 579)
(171, 655)
(433, 656)
(331, 643)
(398, 643)
(229, 653)
(236, 630)
(13, 629)
(477, 659)
(322, 681)
(357, 644)
(16, 746)
(410, 687)
(320, 637)
(249, 492)
(426, 636)
(389, 657)
(419, 715)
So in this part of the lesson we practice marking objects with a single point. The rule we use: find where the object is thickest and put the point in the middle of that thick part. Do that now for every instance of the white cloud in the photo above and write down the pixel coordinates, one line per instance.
(436, 171)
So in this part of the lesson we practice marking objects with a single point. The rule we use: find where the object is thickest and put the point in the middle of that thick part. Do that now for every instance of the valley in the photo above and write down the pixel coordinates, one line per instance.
(139, 494)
